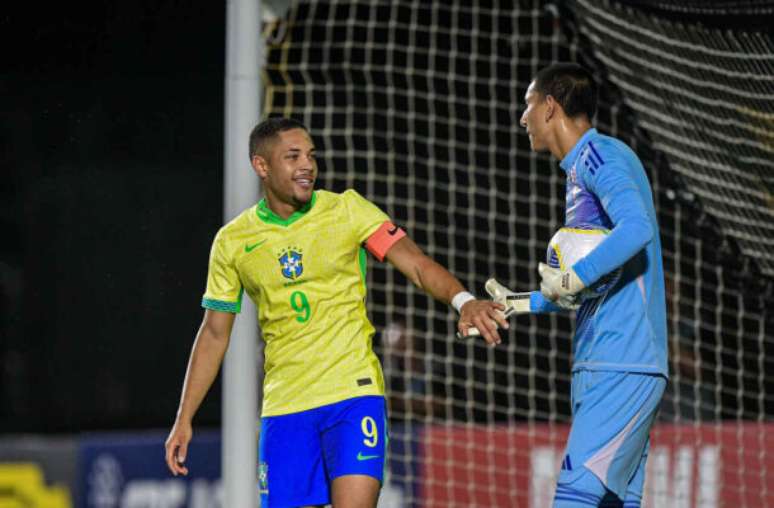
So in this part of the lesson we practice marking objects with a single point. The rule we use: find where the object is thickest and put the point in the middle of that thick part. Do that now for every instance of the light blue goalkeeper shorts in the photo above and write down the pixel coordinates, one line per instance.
(613, 413)
(302, 453)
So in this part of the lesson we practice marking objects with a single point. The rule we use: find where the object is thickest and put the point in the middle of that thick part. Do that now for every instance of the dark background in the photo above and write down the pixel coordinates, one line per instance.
(112, 136)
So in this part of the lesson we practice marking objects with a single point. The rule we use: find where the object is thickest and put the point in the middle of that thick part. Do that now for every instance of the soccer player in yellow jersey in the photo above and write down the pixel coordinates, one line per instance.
(300, 254)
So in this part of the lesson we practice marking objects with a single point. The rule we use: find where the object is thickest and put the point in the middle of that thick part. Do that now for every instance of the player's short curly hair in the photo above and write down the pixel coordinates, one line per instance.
(572, 86)
(268, 129)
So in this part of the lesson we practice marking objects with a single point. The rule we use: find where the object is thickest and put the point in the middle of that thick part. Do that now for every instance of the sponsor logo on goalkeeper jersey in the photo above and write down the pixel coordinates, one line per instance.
(290, 261)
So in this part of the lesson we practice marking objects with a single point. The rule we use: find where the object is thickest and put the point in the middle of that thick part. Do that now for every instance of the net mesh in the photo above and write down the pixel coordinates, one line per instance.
(706, 99)
(416, 105)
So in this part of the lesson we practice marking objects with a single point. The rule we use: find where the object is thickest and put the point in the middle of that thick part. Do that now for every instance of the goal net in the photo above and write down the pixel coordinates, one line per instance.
(416, 105)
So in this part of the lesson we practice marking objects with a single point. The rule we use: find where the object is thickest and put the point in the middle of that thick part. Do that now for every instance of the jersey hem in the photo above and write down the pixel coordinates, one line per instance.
(617, 367)
(325, 402)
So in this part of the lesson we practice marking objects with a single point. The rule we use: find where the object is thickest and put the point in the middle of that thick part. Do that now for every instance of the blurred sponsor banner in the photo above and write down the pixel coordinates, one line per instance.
(37, 471)
(22, 484)
(129, 471)
(690, 465)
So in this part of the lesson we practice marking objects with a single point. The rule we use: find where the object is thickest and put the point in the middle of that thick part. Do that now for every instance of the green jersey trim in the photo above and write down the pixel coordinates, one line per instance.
(269, 217)
(363, 261)
(221, 306)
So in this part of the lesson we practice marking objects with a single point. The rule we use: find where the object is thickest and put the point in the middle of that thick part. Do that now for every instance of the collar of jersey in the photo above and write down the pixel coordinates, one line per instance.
(569, 159)
(268, 216)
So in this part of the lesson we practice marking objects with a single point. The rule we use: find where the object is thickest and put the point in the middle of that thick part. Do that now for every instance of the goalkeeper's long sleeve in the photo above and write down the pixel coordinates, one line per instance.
(539, 304)
(632, 228)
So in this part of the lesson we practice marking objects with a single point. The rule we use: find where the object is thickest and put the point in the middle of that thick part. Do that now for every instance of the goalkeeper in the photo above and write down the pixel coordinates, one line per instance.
(300, 254)
(620, 347)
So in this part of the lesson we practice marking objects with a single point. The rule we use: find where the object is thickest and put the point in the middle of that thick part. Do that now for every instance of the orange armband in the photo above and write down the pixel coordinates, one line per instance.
(383, 238)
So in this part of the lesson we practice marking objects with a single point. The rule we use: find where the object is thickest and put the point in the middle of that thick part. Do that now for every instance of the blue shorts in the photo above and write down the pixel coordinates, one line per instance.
(301, 453)
(613, 413)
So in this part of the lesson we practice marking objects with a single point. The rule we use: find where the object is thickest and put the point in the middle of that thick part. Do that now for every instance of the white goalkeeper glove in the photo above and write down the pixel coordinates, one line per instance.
(563, 287)
(515, 303)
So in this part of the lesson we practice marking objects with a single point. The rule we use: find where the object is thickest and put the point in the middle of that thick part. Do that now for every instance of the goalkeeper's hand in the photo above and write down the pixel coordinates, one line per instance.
(562, 287)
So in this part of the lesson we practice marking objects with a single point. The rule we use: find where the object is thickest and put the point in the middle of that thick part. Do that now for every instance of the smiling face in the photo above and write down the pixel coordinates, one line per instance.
(535, 118)
(288, 169)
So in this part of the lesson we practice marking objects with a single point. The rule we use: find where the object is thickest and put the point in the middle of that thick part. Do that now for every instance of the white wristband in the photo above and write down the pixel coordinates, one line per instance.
(461, 299)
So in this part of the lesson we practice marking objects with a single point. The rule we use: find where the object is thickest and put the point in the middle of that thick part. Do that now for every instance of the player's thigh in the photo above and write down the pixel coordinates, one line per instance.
(355, 491)
(613, 414)
(355, 438)
(291, 470)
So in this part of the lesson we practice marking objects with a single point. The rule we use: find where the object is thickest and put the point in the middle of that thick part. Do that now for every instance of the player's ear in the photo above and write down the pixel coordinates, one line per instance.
(551, 106)
(260, 166)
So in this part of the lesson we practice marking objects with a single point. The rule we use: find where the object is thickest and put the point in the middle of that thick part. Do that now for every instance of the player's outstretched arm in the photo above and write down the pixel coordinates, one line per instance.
(203, 365)
(436, 280)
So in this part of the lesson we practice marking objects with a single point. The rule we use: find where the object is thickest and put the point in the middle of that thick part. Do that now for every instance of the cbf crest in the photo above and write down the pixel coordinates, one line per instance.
(291, 262)
(263, 478)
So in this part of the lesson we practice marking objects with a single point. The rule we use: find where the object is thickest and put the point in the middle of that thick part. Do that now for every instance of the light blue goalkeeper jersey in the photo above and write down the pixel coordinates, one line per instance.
(624, 330)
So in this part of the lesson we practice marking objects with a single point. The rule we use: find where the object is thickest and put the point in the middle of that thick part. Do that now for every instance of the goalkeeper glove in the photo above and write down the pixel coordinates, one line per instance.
(515, 303)
(562, 287)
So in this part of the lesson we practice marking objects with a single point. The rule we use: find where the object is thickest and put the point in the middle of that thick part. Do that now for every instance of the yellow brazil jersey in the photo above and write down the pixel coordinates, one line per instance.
(306, 275)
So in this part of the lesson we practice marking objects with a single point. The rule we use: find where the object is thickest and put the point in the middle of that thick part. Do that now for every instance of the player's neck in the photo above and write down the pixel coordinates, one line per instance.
(281, 208)
(567, 133)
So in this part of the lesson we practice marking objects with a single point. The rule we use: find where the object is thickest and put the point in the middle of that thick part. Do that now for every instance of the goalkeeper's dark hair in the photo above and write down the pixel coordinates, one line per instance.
(268, 130)
(572, 86)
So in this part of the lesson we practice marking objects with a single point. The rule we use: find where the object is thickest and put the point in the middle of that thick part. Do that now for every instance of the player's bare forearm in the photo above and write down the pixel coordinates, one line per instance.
(436, 280)
(439, 283)
(204, 363)
(423, 271)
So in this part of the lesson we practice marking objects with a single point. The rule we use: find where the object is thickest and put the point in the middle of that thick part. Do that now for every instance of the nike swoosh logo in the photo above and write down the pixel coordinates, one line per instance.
(360, 456)
(249, 248)
(393, 231)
